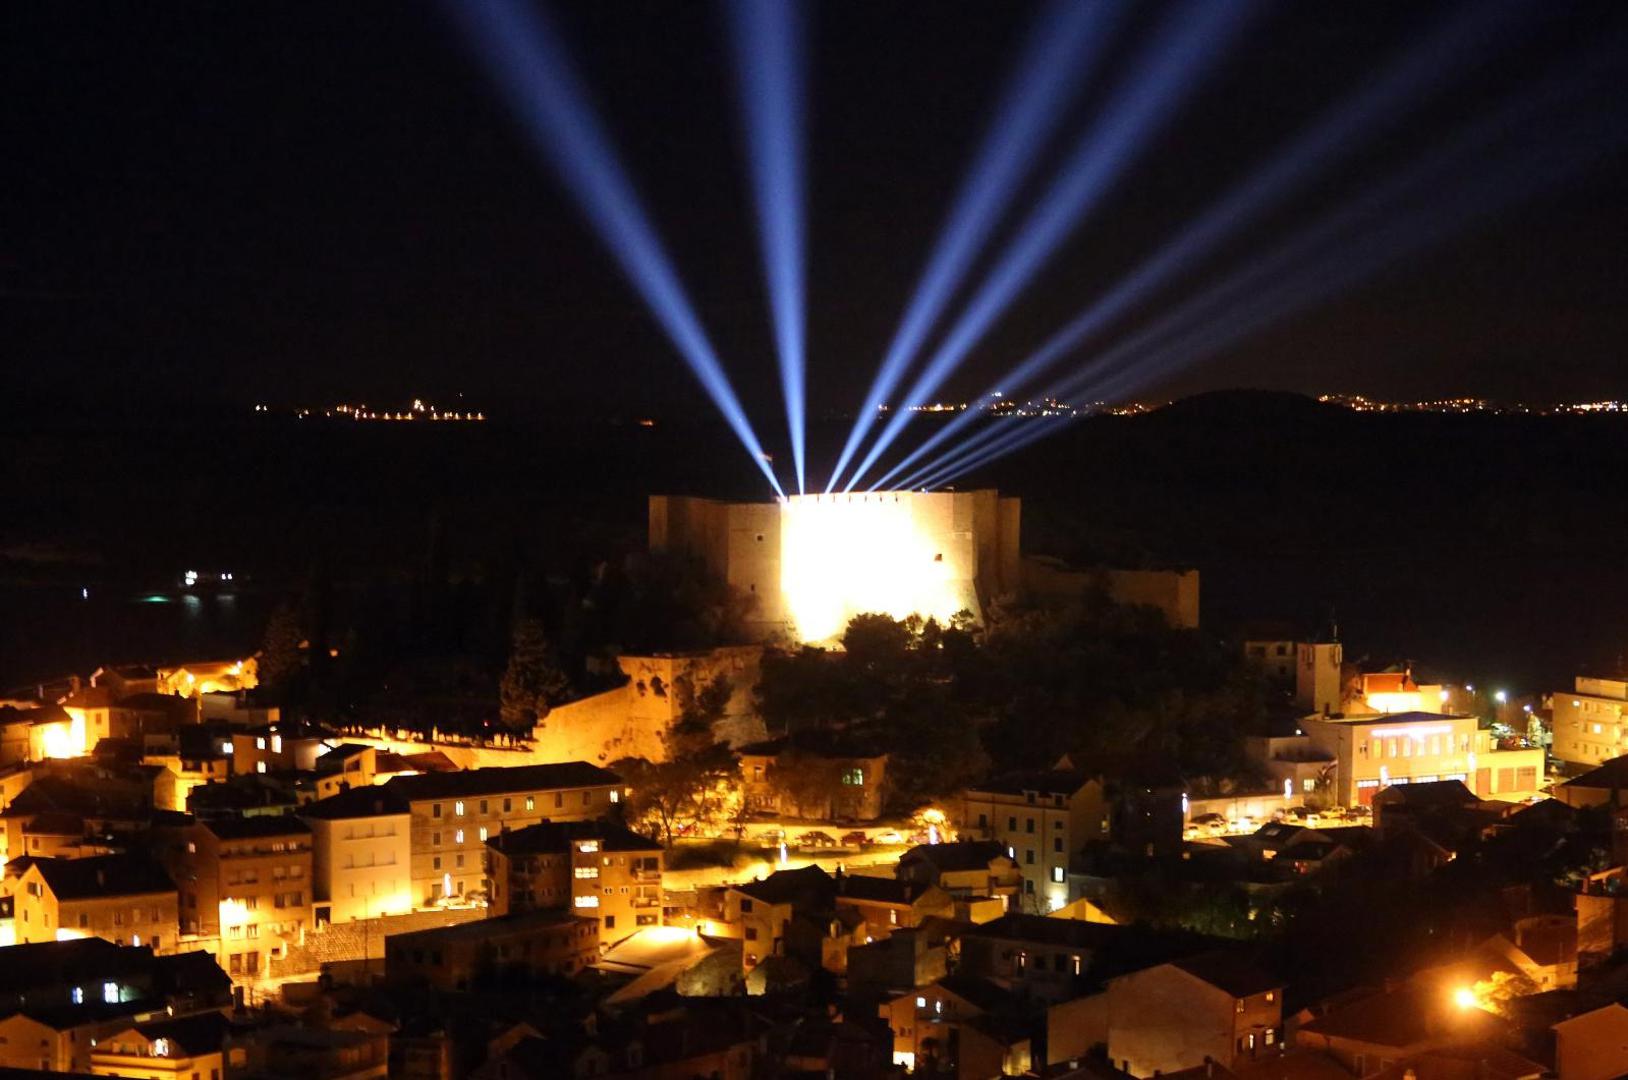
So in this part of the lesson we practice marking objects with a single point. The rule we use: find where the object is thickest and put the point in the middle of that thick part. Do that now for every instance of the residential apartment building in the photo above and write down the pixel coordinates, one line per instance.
(455, 957)
(1192, 1011)
(177, 1048)
(453, 815)
(125, 899)
(245, 880)
(361, 855)
(596, 869)
(1376, 752)
(1590, 722)
(1044, 819)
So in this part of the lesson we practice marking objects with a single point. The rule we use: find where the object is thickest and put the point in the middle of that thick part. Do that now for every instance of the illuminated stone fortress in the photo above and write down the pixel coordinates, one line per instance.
(812, 562)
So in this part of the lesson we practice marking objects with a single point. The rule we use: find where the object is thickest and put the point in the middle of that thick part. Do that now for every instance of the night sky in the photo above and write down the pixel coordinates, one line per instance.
(223, 203)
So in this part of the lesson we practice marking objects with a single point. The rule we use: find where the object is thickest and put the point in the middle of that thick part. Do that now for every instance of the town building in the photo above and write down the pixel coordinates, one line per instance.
(1320, 677)
(1044, 819)
(245, 881)
(177, 1048)
(454, 814)
(929, 1023)
(889, 904)
(1180, 1015)
(1593, 1045)
(969, 870)
(277, 747)
(1273, 649)
(361, 855)
(126, 899)
(208, 677)
(455, 957)
(596, 869)
(1379, 751)
(815, 776)
(1590, 722)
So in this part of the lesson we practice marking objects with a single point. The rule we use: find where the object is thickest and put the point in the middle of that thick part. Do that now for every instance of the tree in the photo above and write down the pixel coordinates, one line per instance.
(280, 659)
(809, 785)
(533, 683)
(668, 793)
(700, 774)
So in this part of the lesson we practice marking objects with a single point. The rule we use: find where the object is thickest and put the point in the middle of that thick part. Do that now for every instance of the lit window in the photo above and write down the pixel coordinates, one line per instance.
(260, 766)
(531, 802)
(588, 847)
(921, 1003)
(587, 901)
(276, 744)
(615, 796)
(853, 777)
(260, 743)
(78, 995)
(483, 834)
(110, 993)
(458, 808)
(458, 837)
(587, 871)
(1057, 874)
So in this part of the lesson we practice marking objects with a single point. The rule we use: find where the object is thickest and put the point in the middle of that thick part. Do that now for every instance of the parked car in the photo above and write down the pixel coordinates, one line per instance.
(891, 836)
(857, 838)
(1210, 824)
(815, 838)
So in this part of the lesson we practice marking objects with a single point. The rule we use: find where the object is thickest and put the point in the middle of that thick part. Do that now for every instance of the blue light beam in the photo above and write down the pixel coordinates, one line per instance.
(533, 70)
(1062, 50)
(1190, 40)
(1519, 174)
(771, 78)
(1450, 46)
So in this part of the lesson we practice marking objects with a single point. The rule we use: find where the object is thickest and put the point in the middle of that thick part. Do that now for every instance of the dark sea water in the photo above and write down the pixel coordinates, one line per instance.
(1488, 549)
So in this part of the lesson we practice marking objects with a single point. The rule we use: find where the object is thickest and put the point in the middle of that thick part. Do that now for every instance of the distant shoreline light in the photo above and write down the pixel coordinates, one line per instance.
(1360, 403)
(418, 409)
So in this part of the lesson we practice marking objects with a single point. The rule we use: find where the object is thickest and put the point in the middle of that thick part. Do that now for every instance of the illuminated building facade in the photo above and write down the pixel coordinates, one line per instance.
(1043, 819)
(812, 562)
(1376, 752)
(246, 881)
(451, 957)
(454, 814)
(361, 855)
(1591, 721)
(125, 899)
(595, 869)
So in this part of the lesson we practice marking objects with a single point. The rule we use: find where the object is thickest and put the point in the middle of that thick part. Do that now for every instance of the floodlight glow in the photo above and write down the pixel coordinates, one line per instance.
(847, 555)
(1062, 49)
(1338, 131)
(769, 60)
(1190, 41)
(532, 68)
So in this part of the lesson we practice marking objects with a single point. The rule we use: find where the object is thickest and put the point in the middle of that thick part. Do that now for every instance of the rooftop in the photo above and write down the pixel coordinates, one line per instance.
(958, 856)
(556, 837)
(1063, 782)
(500, 780)
(498, 926)
(1388, 719)
(1227, 971)
(247, 828)
(98, 876)
(809, 885)
(357, 802)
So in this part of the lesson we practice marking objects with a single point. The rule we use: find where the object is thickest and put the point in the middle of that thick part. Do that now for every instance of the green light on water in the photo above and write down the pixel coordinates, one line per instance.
(155, 599)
